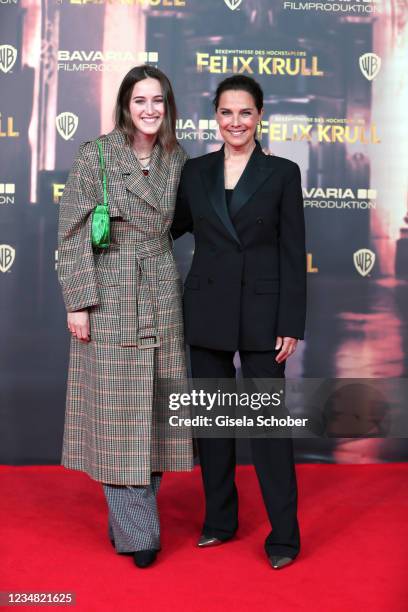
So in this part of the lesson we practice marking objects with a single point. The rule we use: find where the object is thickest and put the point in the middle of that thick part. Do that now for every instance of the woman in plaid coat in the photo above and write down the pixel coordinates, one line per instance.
(125, 314)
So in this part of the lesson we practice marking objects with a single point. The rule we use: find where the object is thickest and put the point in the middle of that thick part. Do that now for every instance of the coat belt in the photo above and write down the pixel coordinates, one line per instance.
(138, 307)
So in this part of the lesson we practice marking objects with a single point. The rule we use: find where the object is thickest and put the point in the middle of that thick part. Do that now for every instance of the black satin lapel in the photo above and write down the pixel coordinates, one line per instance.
(256, 172)
(213, 178)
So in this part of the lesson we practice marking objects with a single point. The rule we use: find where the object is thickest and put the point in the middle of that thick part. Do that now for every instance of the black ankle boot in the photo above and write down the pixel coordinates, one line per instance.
(144, 558)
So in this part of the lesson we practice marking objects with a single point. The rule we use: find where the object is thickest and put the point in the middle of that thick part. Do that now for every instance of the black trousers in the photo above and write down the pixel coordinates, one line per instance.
(272, 457)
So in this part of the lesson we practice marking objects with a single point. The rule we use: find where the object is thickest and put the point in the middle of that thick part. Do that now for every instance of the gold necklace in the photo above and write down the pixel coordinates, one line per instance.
(140, 159)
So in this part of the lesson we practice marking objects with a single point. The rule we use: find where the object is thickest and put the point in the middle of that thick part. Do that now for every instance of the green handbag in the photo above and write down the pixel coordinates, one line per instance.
(100, 216)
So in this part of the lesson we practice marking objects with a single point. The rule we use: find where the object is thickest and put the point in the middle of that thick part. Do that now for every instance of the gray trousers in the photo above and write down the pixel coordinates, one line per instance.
(133, 516)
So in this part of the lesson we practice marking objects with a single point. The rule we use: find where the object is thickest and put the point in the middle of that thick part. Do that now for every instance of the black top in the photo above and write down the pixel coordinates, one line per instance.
(228, 198)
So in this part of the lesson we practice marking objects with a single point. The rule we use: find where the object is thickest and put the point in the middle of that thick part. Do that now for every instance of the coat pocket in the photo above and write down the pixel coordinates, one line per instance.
(266, 285)
(192, 282)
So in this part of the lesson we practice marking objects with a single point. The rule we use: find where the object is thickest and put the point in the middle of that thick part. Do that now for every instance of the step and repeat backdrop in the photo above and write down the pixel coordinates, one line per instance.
(335, 78)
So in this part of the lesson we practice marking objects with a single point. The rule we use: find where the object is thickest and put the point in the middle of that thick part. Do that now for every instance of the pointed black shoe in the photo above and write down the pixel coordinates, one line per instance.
(208, 541)
(144, 558)
(279, 561)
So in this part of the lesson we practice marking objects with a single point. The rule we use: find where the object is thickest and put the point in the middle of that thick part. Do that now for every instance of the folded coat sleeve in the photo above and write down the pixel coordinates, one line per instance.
(292, 259)
(76, 267)
(182, 221)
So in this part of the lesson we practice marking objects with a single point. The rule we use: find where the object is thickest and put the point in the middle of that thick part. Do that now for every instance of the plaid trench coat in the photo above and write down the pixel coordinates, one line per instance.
(116, 428)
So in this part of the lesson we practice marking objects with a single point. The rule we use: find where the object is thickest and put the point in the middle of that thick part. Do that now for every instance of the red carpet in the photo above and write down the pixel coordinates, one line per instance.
(354, 527)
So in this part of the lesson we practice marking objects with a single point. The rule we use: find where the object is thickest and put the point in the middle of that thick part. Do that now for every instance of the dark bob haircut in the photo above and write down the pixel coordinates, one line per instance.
(240, 82)
(123, 119)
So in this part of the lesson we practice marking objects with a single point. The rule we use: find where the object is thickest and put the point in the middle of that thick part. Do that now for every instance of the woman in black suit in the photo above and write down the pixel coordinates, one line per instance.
(246, 292)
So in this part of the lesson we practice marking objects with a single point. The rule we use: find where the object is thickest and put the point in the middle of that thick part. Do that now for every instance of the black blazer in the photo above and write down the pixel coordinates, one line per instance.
(247, 282)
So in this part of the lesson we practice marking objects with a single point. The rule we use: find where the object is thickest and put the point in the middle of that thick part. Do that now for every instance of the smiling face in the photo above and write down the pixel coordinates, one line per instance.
(237, 117)
(146, 106)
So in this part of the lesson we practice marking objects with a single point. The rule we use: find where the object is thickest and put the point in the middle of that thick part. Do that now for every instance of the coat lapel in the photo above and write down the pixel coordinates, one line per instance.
(158, 173)
(150, 188)
(213, 178)
(256, 172)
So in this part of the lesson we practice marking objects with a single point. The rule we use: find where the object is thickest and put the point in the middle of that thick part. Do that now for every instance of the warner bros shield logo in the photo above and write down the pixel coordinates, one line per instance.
(370, 64)
(364, 261)
(7, 256)
(67, 124)
(233, 4)
(8, 56)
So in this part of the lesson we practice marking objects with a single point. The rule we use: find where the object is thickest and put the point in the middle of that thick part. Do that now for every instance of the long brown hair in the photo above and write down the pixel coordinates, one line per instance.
(123, 119)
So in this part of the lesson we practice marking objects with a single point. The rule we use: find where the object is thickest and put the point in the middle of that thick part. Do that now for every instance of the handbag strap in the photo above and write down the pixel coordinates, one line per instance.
(102, 166)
